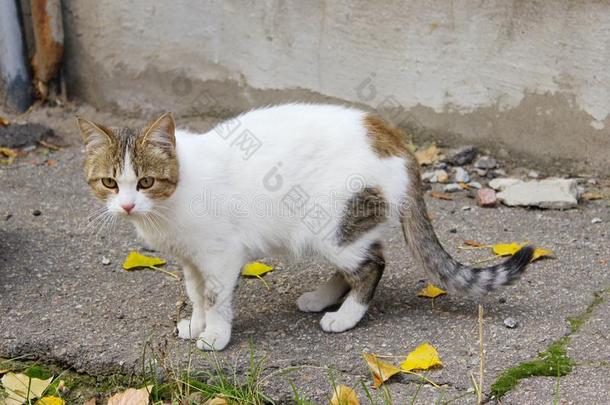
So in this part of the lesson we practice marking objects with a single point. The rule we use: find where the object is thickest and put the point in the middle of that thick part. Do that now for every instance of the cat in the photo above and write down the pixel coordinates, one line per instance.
(294, 178)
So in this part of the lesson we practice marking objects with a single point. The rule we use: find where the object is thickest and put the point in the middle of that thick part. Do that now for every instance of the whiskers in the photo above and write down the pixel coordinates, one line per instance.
(100, 220)
(155, 221)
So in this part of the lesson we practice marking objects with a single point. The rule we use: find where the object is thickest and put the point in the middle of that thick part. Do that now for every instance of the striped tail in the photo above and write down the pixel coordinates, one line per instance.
(425, 246)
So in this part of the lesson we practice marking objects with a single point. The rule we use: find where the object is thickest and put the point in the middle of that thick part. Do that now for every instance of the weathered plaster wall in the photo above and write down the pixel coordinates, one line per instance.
(532, 76)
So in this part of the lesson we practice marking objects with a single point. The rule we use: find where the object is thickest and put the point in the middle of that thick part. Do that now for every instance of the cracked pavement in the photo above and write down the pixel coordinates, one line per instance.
(60, 304)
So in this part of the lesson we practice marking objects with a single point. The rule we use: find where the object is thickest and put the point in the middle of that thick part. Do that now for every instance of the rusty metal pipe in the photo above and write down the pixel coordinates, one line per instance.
(14, 74)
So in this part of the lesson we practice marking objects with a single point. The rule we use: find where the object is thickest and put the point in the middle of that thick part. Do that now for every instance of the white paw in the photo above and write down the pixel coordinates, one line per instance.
(335, 322)
(188, 329)
(310, 302)
(216, 339)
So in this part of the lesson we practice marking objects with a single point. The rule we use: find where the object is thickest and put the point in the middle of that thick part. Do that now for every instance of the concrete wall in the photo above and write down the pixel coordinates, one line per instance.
(531, 76)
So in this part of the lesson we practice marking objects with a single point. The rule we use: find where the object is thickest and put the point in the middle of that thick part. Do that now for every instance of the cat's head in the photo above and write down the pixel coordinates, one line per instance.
(131, 169)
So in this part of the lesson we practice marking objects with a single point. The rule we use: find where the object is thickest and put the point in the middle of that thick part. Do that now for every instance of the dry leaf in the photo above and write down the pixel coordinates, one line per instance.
(464, 186)
(50, 401)
(217, 401)
(591, 196)
(16, 386)
(4, 371)
(509, 249)
(256, 269)
(422, 358)
(4, 122)
(380, 369)
(427, 156)
(441, 196)
(344, 395)
(474, 243)
(131, 396)
(9, 153)
(136, 260)
(431, 291)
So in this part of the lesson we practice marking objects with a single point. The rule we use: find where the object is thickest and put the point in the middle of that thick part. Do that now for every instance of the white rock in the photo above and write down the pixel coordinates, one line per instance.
(533, 174)
(485, 162)
(596, 220)
(452, 188)
(460, 175)
(548, 193)
(440, 176)
(475, 184)
(105, 261)
(502, 183)
(426, 176)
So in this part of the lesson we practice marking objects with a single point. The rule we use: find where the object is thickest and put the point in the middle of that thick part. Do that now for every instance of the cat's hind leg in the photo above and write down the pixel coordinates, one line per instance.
(325, 295)
(362, 279)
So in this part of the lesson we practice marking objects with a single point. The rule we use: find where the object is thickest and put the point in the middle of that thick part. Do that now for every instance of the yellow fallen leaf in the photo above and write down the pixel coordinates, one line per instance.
(381, 370)
(256, 269)
(136, 260)
(541, 252)
(4, 122)
(427, 156)
(422, 358)
(50, 401)
(431, 291)
(16, 386)
(217, 401)
(131, 396)
(9, 153)
(509, 249)
(344, 395)
(506, 249)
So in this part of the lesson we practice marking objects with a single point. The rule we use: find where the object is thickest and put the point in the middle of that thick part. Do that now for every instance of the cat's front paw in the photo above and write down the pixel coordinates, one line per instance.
(335, 322)
(214, 339)
(188, 329)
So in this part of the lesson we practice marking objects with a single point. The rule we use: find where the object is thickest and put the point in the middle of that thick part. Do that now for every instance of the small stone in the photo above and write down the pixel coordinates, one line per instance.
(460, 175)
(511, 323)
(453, 230)
(596, 220)
(427, 176)
(499, 173)
(533, 174)
(452, 188)
(486, 197)
(466, 208)
(440, 176)
(485, 162)
(592, 181)
(481, 172)
(475, 184)
(8, 216)
(36, 213)
(105, 261)
(463, 156)
(502, 300)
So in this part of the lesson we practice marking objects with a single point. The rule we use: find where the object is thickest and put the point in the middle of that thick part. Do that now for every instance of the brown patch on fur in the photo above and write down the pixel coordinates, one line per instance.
(151, 149)
(364, 211)
(366, 278)
(387, 141)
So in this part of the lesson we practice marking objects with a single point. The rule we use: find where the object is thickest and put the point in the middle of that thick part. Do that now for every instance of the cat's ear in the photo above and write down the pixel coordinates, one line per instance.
(94, 135)
(161, 132)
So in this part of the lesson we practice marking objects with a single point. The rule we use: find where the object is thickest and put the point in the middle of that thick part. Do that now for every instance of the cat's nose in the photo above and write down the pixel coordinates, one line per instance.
(128, 207)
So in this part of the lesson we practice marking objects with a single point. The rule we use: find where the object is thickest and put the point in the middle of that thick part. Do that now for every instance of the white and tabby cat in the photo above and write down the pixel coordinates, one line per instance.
(293, 178)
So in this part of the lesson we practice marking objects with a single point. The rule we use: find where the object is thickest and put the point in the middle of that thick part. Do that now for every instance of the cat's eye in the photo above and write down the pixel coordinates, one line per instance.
(109, 182)
(145, 182)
